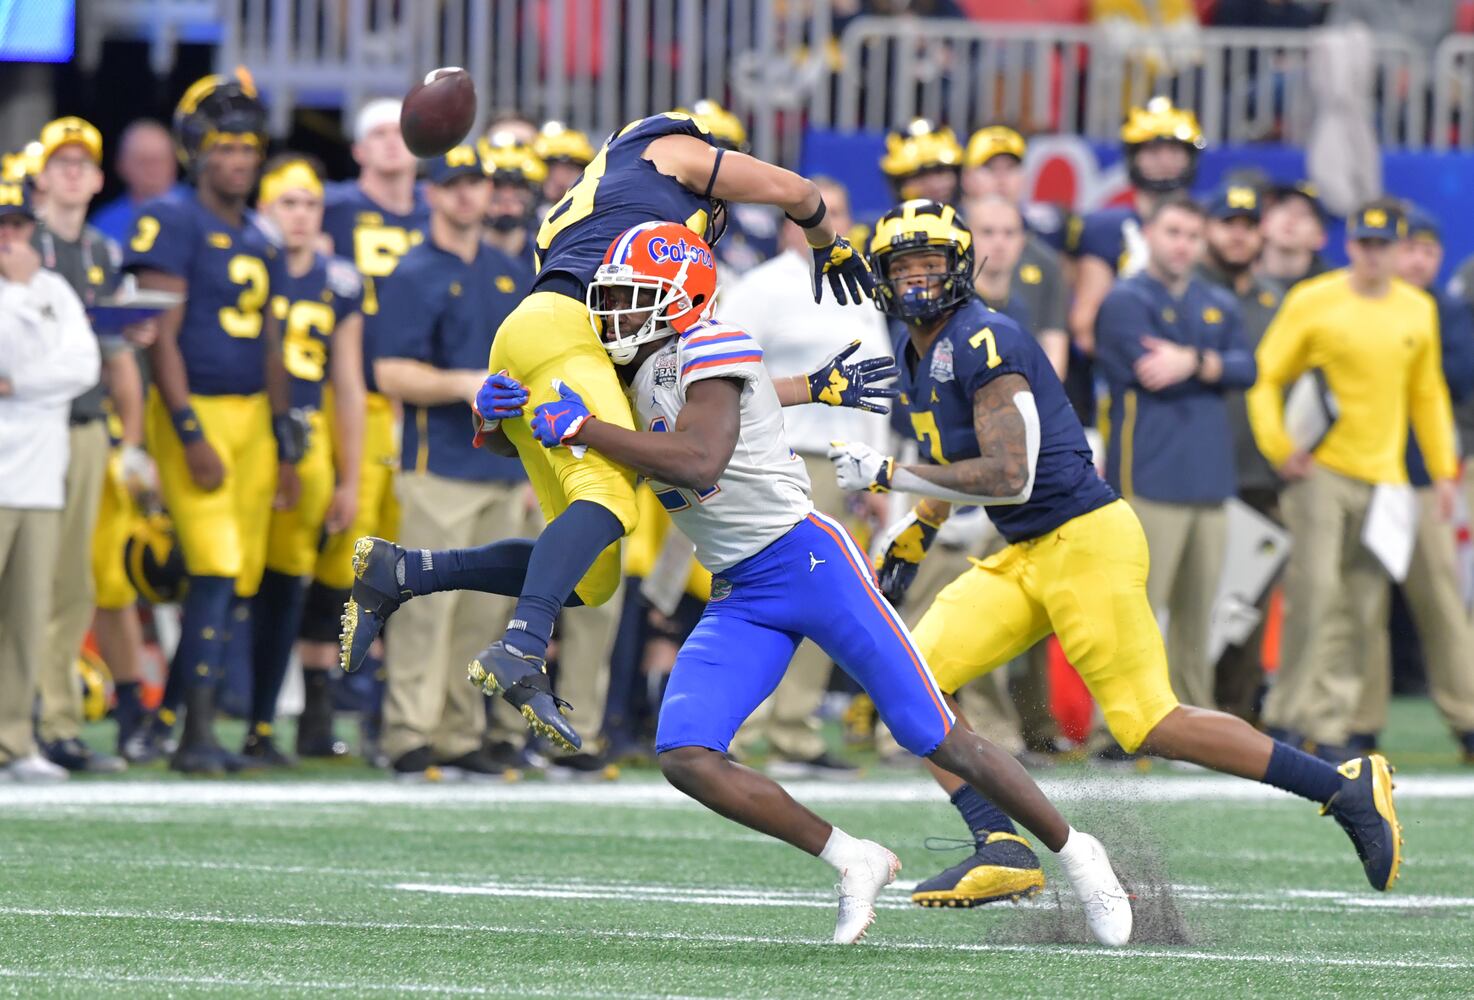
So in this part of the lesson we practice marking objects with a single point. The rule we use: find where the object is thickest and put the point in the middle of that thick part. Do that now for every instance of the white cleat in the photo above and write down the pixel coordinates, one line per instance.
(1107, 906)
(859, 886)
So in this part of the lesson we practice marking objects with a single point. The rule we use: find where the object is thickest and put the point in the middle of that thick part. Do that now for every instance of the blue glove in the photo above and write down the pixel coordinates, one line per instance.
(553, 424)
(837, 384)
(500, 397)
(846, 268)
(903, 546)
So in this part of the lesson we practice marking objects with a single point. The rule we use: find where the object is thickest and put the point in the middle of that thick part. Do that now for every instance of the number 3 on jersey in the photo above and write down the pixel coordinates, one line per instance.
(244, 318)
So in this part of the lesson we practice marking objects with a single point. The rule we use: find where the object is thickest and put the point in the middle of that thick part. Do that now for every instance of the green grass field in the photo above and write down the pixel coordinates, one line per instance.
(337, 881)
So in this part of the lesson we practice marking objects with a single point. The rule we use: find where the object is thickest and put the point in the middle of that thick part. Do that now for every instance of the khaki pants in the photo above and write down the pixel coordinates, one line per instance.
(788, 718)
(73, 594)
(427, 700)
(28, 541)
(1336, 599)
(1186, 542)
(1444, 631)
(985, 701)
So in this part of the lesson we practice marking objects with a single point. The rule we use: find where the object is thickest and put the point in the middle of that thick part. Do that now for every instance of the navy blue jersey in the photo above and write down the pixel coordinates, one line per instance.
(437, 309)
(310, 308)
(976, 346)
(229, 270)
(374, 238)
(1113, 235)
(617, 191)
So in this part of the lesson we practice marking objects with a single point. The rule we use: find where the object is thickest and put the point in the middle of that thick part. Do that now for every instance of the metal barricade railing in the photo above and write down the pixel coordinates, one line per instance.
(1246, 85)
(1453, 94)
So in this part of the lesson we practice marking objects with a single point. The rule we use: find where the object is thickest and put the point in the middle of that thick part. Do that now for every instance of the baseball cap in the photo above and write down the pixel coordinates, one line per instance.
(462, 161)
(1421, 225)
(69, 130)
(375, 113)
(1376, 223)
(15, 199)
(1233, 201)
(1301, 189)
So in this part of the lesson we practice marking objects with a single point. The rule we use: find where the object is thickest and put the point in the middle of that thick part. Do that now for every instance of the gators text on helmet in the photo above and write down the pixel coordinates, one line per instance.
(1161, 121)
(215, 109)
(917, 148)
(916, 226)
(661, 270)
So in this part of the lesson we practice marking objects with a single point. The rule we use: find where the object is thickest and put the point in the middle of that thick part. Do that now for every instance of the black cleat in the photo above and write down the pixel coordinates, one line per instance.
(199, 758)
(1003, 867)
(74, 755)
(261, 747)
(1363, 806)
(523, 681)
(582, 767)
(478, 765)
(376, 595)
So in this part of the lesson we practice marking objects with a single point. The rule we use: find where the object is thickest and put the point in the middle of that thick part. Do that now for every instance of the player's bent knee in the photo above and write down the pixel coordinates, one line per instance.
(690, 768)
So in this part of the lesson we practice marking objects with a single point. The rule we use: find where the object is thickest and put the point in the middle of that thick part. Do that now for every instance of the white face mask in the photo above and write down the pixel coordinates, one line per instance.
(659, 297)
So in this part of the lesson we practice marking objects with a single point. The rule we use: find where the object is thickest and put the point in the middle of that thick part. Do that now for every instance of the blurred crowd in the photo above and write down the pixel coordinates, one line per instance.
(1245, 398)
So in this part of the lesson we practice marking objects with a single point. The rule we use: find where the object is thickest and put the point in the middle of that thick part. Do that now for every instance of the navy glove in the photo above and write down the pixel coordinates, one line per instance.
(846, 268)
(291, 430)
(835, 383)
(554, 423)
(903, 545)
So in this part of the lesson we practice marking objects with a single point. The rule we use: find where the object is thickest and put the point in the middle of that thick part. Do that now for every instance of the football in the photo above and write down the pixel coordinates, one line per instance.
(438, 112)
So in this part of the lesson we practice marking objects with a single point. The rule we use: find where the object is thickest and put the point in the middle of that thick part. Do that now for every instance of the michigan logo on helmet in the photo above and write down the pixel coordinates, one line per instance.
(219, 109)
(1160, 122)
(994, 140)
(153, 560)
(917, 227)
(725, 127)
(658, 279)
(511, 162)
(921, 160)
(96, 682)
(557, 143)
(24, 164)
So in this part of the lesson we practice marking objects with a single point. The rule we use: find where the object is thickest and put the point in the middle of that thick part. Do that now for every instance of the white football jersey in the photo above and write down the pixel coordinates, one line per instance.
(764, 491)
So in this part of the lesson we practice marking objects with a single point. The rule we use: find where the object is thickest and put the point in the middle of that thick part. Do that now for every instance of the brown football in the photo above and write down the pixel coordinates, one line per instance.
(438, 112)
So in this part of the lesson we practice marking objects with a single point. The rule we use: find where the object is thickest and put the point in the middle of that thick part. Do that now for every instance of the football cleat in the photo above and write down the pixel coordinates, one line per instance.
(260, 746)
(1004, 867)
(375, 596)
(523, 681)
(1107, 906)
(859, 886)
(1363, 806)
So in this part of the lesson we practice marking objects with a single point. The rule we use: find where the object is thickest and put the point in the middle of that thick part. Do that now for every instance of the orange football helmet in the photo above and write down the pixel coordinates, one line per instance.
(659, 277)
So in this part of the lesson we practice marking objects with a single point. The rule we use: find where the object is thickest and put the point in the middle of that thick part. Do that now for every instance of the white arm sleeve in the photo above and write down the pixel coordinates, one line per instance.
(909, 482)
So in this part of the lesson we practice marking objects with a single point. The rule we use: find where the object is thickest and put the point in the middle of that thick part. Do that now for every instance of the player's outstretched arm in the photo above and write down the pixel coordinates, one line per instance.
(692, 455)
(836, 383)
(1006, 423)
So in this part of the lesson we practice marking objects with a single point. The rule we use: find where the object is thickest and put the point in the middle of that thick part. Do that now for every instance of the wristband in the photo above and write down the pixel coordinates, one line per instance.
(187, 425)
(813, 220)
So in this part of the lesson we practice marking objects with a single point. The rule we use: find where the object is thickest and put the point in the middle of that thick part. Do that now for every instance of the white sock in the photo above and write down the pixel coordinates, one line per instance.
(840, 848)
(1075, 849)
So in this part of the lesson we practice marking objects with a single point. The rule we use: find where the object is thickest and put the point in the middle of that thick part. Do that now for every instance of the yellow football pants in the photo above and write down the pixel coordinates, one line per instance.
(116, 515)
(1086, 582)
(222, 532)
(548, 336)
(378, 507)
(292, 540)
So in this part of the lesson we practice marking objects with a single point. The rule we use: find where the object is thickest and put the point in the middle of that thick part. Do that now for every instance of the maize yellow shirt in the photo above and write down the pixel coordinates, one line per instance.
(1381, 358)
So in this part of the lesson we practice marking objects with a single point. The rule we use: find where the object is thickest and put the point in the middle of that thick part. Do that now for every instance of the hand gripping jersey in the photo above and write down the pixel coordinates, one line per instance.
(230, 271)
(764, 490)
(619, 190)
(310, 308)
(976, 346)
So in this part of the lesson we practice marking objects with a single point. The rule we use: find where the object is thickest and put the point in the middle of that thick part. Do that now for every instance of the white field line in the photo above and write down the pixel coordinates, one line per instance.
(393, 989)
(949, 947)
(1080, 788)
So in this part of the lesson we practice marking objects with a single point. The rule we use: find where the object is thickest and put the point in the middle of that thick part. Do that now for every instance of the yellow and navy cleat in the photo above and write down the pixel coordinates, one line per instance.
(1363, 806)
(376, 595)
(523, 681)
(1004, 867)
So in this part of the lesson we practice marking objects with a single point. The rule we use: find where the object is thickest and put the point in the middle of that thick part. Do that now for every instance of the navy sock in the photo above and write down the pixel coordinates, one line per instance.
(1298, 772)
(276, 612)
(204, 623)
(128, 707)
(563, 554)
(979, 814)
(496, 568)
(233, 691)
